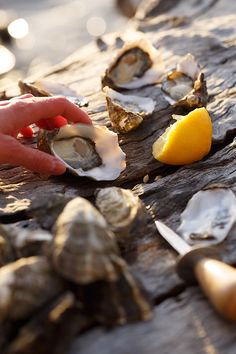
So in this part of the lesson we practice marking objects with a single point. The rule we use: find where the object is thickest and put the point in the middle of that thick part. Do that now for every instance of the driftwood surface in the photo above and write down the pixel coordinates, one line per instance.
(184, 321)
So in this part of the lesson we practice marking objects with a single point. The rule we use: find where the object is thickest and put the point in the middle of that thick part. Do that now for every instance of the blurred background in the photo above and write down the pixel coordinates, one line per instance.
(37, 34)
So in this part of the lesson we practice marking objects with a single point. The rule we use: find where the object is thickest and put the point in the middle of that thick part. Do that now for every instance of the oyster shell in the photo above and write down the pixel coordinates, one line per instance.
(126, 112)
(6, 252)
(25, 286)
(87, 150)
(124, 212)
(135, 66)
(51, 330)
(209, 216)
(84, 250)
(46, 87)
(185, 86)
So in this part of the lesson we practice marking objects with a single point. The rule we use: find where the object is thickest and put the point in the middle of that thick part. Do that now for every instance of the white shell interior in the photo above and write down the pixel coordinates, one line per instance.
(106, 145)
(135, 104)
(188, 66)
(209, 216)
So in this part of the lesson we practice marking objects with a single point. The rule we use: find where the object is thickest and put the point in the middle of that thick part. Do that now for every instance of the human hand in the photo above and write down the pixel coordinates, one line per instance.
(19, 113)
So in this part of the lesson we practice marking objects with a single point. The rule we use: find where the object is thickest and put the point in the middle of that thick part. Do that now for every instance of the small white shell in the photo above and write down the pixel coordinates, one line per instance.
(209, 216)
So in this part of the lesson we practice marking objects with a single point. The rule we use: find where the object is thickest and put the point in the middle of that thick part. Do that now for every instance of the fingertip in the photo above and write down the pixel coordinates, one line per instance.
(57, 167)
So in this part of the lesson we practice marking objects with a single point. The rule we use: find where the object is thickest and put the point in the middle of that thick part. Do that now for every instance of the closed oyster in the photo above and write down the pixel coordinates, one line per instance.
(209, 216)
(126, 112)
(135, 66)
(124, 212)
(185, 86)
(25, 286)
(51, 330)
(84, 250)
(46, 87)
(87, 150)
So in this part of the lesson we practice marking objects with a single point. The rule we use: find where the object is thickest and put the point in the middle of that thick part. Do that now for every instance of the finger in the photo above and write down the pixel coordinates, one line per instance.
(35, 108)
(22, 97)
(32, 159)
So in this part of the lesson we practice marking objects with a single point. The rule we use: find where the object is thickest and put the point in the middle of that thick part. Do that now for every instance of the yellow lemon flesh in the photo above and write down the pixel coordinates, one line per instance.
(186, 141)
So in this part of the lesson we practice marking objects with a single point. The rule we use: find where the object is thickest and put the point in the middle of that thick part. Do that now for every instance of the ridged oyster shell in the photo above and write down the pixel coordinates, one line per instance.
(126, 112)
(124, 212)
(134, 66)
(209, 216)
(47, 87)
(87, 150)
(84, 250)
(185, 86)
(25, 286)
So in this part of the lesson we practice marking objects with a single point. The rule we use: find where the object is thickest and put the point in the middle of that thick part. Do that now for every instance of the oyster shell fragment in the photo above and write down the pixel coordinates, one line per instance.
(124, 212)
(134, 66)
(126, 112)
(185, 86)
(25, 286)
(47, 87)
(209, 216)
(87, 150)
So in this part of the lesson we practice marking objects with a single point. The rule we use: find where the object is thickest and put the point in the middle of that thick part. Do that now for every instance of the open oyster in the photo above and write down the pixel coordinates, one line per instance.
(209, 216)
(47, 87)
(135, 66)
(25, 286)
(126, 112)
(124, 212)
(185, 86)
(87, 150)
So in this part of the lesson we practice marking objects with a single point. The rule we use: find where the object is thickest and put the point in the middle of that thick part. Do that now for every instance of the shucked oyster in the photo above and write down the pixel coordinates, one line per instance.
(46, 87)
(126, 112)
(87, 150)
(124, 212)
(209, 216)
(135, 66)
(85, 252)
(185, 86)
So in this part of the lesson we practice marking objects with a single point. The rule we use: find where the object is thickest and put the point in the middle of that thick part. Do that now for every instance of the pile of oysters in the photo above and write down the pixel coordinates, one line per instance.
(56, 283)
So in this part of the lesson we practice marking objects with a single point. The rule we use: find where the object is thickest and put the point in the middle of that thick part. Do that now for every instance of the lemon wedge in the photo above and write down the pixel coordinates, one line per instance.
(186, 141)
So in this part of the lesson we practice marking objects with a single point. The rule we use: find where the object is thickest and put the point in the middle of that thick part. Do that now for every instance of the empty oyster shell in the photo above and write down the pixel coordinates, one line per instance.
(185, 86)
(126, 112)
(209, 216)
(46, 87)
(26, 285)
(135, 66)
(87, 150)
(124, 212)
(84, 250)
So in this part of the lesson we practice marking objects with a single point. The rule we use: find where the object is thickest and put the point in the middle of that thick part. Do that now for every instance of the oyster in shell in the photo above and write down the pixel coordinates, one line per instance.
(126, 112)
(87, 150)
(185, 86)
(209, 216)
(84, 250)
(124, 212)
(46, 87)
(51, 330)
(135, 66)
(25, 286)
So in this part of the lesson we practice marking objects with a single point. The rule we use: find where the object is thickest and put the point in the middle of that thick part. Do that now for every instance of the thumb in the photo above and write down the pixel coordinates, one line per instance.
(17, 154)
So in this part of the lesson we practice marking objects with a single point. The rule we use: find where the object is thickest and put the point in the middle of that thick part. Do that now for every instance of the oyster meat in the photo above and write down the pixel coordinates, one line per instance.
(209, 216)
(25, 286)
(124, 212)
(135, 66)
(46, 87)
(87, 150)
(185, 86)
(126, 112)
